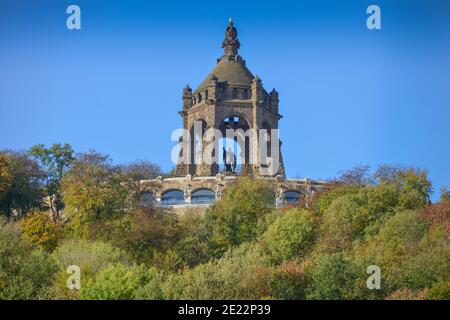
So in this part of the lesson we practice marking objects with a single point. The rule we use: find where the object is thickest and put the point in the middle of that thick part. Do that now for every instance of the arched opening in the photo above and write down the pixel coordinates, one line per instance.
(292, 197)
(268, 133)
(147, 199)
(172, 197)
(203, 196)
(197, 134)
(234, 148)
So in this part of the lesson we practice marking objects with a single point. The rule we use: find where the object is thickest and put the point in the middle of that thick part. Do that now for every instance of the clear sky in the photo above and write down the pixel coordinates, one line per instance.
(348, 95)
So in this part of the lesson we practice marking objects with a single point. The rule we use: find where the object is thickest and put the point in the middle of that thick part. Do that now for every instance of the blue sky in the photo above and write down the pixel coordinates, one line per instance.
(348, 95)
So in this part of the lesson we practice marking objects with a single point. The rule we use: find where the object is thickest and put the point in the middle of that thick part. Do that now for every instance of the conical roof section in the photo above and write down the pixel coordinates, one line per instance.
(230, 67)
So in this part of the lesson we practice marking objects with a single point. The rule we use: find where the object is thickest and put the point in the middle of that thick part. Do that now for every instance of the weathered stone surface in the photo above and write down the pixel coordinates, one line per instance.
(230, 90)
(188, 185)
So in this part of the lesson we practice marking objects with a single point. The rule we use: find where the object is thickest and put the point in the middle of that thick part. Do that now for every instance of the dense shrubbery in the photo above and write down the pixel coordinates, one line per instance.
(240, 248)
(42, 231)
(24, 270)
(291, 235)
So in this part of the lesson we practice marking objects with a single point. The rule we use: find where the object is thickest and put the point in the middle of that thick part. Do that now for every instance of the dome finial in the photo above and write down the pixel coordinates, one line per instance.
(231, 43)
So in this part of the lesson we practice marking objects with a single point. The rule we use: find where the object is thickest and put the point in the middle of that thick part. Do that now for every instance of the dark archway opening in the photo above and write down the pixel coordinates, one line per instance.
(203, 196)
(234, 153)
(172, 197)
(292, 197)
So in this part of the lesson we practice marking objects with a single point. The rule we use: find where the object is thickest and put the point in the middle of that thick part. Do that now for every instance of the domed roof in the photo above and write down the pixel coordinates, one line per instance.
(230, 70)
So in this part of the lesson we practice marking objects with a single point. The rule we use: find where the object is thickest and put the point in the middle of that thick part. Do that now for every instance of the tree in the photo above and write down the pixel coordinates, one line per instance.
(291, 235)
(395, 249)
(42, 231)
(134, 173)
(353, 216)
(54, 162)
(413, 183)
(445, 194)
(91, 256)
(118, 282)
(415, 188)
(22, 189)
(24, 271)
(287, 282)
(93, 191)
(331, 278)
(192, 243)
(387, 174)
(234, 218)
(5, 176)
(242, 273)
(142, 233)
(323, 201)
(438, 214)
(356, 176)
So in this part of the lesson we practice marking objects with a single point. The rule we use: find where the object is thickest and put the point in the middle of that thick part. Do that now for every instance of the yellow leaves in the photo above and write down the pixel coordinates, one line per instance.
(41, 230)
(5, 176)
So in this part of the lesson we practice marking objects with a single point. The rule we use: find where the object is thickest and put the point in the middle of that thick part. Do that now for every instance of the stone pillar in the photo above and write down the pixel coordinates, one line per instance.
(187, 189)
(187, 97)
(279, 197)
(213, 90)
(274, 101)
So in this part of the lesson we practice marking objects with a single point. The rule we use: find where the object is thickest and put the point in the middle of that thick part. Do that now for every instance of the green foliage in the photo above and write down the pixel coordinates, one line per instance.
(439, 290)
(353, 216)
(141, 233)
(42, 231)
(24, 271)
(331, 278)
(133, 173)
(5, 175)
(118, 282)
(22, 190)
(192, 245)
(415, 188)
(240, 274)
(90, 256)
(54, 161)
(397, 241)
(430, 263)
(234, 218)
(445, 195)
(152, 290)
(92, 191)
(287, 282)
(324, 200)
(241, 248)
(5, 180)
(291, 235)
(408, 294)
